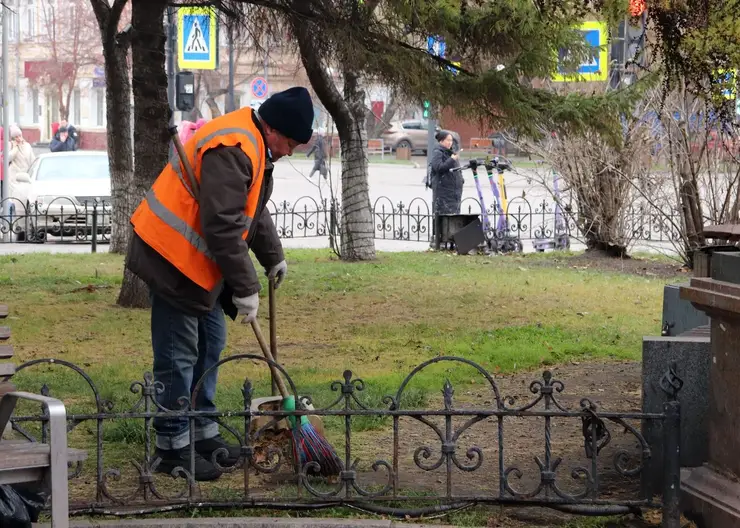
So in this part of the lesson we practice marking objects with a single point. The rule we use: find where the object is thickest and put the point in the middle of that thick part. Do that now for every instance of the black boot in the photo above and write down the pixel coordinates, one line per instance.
(206, 448)
(172, 458)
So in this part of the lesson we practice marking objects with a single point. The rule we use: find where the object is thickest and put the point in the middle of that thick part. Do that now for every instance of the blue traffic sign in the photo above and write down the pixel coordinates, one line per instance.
(436, 46)
(592, 65)
(596, 66)
(259, 87)
(197, 38)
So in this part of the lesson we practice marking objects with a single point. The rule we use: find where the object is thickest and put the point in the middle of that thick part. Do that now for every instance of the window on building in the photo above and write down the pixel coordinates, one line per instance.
(12, 20)
(35, 105)
(55, 116)
(30, 19)
(76, 101)
(99, 107)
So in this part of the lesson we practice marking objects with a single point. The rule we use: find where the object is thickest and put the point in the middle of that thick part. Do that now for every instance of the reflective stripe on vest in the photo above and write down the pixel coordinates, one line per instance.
(168, 219)
(177, 167)
(179, 225)
(177, 163)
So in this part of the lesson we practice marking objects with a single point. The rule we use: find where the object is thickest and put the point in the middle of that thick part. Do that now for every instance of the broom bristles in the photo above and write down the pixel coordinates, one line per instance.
(309, 446)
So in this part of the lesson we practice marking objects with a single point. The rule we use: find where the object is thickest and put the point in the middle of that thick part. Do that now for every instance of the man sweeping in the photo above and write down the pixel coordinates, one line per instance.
(191, 247)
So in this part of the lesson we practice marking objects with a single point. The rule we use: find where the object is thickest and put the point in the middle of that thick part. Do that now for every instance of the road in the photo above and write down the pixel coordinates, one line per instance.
(390, 184)
(398, 183)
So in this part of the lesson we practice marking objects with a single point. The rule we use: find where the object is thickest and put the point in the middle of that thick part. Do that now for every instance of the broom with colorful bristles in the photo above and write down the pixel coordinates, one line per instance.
(308, 444)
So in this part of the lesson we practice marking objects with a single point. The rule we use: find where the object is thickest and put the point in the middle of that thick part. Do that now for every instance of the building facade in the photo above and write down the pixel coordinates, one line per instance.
(42, 42)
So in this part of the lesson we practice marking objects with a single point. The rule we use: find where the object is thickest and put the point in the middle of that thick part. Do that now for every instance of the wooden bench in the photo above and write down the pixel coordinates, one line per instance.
(376, 146)
(22, 462)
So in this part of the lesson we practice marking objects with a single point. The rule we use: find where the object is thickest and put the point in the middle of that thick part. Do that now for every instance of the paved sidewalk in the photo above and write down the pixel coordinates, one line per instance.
(242, 522)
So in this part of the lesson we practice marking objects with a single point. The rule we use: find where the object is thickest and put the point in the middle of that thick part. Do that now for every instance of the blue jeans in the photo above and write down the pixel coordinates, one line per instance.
(185, 347)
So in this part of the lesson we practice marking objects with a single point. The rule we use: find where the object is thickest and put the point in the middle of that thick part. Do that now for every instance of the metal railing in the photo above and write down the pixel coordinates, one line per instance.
(424, 458)
(61, 220)
(64, 221)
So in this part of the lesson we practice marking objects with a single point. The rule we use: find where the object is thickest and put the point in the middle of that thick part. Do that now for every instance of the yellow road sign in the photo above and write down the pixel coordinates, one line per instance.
(197, 38)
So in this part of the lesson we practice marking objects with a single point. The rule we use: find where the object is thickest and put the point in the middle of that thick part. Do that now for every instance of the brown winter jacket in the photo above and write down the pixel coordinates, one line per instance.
(226, 174)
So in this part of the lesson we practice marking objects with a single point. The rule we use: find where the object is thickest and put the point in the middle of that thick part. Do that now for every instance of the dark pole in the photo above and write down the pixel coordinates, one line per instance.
(171, 53)
(431, 130)
(231, 104)
(671, 464)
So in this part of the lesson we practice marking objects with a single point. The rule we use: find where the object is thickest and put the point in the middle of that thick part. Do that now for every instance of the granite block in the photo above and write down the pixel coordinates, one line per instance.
(679, 315)
(693, 359)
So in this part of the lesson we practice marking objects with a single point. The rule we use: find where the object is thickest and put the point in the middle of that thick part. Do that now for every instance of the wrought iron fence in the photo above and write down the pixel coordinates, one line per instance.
(61, 220)
(414, 221)
(421, 457)
(67, 221)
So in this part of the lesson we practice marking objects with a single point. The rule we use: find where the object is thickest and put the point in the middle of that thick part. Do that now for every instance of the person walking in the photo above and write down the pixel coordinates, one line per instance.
(191, 247)
(319, 151)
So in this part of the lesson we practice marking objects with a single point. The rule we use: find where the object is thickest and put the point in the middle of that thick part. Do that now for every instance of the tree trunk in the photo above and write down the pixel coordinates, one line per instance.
(63, 108)
(348, 113)
(213, 106)
(151, 118)
(68, 98)
(358, 230)
(120, 149)
(389, 113)
(118, 114)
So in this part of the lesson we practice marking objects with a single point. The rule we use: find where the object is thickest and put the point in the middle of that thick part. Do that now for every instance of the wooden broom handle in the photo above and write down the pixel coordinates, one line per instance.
(266, 351)
(273, 327)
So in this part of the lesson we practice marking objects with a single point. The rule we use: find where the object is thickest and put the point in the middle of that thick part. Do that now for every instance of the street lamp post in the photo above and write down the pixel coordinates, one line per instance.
(6, 110)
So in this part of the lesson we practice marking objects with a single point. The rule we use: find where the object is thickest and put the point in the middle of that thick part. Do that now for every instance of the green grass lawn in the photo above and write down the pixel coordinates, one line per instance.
(379, 319)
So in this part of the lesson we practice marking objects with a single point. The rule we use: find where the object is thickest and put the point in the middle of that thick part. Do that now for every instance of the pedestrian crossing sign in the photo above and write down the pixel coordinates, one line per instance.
(197, 38)
(595, 67)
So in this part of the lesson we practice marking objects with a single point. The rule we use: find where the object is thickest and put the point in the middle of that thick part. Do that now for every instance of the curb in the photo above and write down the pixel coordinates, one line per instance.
(240, 522)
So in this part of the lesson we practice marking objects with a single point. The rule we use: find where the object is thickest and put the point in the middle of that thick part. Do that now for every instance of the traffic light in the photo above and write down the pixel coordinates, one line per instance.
(427, 109)
(184, 92)
(637, 8)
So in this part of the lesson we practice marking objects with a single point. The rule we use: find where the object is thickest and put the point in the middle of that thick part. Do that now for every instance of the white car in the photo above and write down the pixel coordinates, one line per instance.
(66, 188)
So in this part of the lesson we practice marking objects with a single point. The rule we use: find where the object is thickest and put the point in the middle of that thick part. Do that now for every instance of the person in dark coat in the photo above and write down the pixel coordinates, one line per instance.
(187, 320)
(319, 152)
(71, 132)
(447, 185)
(63, 142)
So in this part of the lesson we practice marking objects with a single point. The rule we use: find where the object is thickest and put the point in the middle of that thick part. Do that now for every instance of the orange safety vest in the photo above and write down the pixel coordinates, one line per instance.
(168, 219)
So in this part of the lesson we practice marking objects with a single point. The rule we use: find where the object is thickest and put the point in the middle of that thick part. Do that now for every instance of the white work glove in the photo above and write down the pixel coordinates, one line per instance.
(278, 272)
(247, 306)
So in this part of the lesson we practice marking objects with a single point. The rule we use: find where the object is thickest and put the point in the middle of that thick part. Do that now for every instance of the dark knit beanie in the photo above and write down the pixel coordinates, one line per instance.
(291, 113)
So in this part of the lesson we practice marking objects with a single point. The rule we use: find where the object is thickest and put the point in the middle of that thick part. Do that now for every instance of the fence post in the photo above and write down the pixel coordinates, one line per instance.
(437, 231)
(95, 228)
(671, 464)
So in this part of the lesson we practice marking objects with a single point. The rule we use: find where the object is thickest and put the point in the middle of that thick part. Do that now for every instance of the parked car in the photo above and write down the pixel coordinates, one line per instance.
(65, 189)
(412, 134)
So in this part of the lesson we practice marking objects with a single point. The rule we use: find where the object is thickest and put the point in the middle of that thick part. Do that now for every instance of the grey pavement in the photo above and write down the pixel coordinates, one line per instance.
(243, 522)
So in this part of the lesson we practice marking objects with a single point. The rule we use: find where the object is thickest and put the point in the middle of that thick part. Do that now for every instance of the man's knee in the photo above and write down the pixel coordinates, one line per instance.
(174, 334)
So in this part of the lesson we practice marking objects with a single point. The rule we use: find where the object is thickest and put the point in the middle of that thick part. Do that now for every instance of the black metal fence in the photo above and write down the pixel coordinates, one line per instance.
(66, 221)
(415, 457)
(60, 220)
